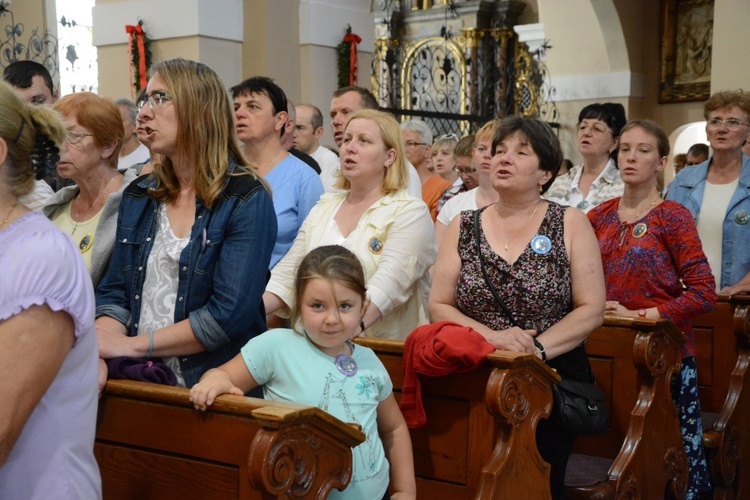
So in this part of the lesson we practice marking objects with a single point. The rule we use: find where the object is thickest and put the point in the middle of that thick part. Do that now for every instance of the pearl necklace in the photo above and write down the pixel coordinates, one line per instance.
(88, 212)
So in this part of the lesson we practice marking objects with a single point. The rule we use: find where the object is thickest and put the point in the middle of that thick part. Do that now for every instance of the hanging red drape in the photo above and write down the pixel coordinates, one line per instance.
(352, 40)
(136, 31)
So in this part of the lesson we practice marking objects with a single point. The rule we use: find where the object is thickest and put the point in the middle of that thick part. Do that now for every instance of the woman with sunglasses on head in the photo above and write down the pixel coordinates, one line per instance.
(717, 191)
(443, 160)
(597, 179)
(639, 234)
(48, 357)
(194, 238)
(87, 211)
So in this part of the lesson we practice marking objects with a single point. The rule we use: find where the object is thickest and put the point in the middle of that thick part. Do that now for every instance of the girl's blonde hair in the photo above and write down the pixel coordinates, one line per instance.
(205, 131)
(332, 263)
(396, 174)
(23, 127)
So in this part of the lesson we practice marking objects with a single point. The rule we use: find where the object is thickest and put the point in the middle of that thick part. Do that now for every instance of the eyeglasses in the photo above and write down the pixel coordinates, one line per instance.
(447, 137)
(731, 123)
(75, 138)
(464, 171)
(412, 144)
(596, 128)
(155, 100)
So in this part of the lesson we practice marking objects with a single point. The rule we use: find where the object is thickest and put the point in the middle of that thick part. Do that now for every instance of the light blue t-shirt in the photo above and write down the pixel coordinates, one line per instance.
(295, 188)
(293, 370)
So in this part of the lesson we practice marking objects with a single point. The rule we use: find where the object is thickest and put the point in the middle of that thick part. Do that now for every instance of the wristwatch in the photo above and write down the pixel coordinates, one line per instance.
(641, 313)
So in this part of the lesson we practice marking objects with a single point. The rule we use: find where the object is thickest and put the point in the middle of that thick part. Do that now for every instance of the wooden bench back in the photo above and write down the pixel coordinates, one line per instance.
(634, 361)
(727, 443)
(152, 443)
(480, 437)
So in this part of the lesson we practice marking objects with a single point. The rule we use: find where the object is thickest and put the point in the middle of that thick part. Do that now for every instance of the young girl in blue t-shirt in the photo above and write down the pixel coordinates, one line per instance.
(321, 367)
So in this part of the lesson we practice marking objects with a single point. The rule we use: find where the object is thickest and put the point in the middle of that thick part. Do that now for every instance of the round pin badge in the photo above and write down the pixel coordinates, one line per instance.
(639, 230)
(346, 365)
(86, 242)
(541, 244)
(376, 245)
(582, 205)
(741, 217)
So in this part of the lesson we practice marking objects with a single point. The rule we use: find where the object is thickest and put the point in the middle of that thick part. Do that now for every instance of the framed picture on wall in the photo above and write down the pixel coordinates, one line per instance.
(686, 35)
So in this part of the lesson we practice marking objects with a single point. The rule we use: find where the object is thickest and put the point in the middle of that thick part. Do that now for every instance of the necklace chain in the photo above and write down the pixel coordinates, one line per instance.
(271, 162)
(507, 243)
(638, 215)
(12, 209)
(88, 212)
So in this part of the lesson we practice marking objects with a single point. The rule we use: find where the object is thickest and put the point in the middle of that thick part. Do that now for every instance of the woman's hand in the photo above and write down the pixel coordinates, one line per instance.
(113, 343)
(614, 308)
(513, 339)
(213, 383)
(103, 373)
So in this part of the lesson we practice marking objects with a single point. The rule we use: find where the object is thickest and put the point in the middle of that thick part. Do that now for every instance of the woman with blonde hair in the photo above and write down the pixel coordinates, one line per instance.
(87, 211)
(48, 358)
(193, 240)
(386, 228)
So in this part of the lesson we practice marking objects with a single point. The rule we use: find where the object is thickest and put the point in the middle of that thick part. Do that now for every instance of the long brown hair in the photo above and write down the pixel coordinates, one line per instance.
(205, 131)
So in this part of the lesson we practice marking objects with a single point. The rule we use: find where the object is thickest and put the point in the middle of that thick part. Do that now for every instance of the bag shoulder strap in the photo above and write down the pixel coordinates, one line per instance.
(484, 271)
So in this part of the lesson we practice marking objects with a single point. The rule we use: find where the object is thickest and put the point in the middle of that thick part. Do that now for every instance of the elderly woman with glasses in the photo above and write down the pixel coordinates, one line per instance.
(717, 191)
(87, 211)
(194, 238)
(597, 179)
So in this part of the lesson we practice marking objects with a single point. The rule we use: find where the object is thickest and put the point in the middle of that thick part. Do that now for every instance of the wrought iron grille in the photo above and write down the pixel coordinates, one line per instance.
(41, 47)
(457, 83)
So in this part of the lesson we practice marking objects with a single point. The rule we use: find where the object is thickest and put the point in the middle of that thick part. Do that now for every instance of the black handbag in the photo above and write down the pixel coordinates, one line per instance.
(579, 407)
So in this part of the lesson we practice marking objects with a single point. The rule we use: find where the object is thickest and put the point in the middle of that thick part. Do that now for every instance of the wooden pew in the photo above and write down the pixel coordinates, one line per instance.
(480, 438)
(727, 435)
(643, 455)
(152, 443)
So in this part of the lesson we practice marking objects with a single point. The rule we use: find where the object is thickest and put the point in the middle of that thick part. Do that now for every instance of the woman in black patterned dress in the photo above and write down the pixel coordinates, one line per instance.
(541, 257)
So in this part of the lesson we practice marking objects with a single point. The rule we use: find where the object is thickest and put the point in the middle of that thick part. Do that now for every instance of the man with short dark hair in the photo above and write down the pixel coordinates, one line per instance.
(307, 133)
(260, 115)
(32, 82)
(697, 154)
(348, 100)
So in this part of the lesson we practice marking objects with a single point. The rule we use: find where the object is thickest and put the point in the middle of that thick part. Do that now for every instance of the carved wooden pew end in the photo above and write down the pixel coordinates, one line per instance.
(480, 437)
(151, 443)
(651, 462)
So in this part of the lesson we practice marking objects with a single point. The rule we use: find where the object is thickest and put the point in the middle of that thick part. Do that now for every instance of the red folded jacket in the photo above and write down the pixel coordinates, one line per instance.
(436, 350)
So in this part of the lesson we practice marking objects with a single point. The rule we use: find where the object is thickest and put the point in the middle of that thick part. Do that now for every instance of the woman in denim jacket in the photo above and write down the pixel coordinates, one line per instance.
(717, 192)
(194, 239)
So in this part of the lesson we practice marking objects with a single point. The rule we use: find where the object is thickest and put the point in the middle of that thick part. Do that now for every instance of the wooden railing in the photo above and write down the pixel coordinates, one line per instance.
(152, 443)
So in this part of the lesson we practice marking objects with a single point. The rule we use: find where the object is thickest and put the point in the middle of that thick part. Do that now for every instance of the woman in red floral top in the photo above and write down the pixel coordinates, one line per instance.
(654, 267)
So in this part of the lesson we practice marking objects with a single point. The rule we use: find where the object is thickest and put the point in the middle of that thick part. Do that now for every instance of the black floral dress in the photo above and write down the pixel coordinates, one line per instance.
(537, 289)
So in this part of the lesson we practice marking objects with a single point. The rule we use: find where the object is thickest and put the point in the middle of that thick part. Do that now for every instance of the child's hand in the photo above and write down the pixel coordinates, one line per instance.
(213, 383)
(403, 496)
